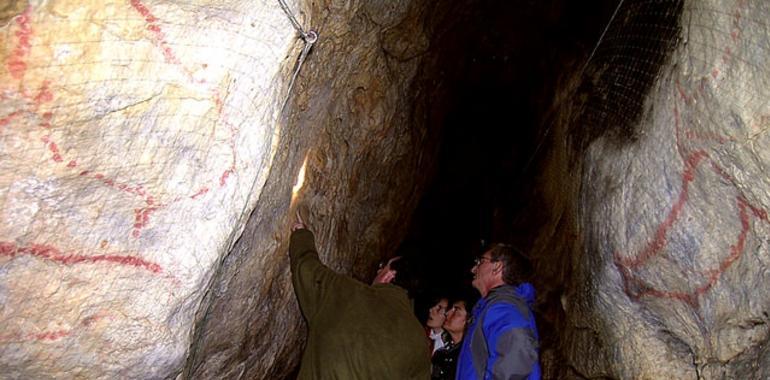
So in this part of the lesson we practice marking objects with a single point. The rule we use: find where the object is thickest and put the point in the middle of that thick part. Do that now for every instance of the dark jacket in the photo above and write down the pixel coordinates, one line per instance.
(502, 340)
(355, 331)
(444, 362)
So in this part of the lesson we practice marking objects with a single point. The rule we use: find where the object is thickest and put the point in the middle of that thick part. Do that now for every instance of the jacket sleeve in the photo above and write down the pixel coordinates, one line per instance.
(310, 277)
(511, 343)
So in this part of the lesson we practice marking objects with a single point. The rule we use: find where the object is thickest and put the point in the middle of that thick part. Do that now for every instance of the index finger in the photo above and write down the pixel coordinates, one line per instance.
(299, 218)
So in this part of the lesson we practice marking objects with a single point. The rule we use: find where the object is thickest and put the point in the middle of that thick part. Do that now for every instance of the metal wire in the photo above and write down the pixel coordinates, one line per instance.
(309, 38)
(602, 36)
(582, 71)
(313, 37)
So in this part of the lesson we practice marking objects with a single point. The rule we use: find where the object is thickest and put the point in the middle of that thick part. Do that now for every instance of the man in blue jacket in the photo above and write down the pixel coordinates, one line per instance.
(502, 340)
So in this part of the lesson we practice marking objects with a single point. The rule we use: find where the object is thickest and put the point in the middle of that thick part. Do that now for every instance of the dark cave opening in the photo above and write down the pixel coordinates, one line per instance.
(501, 78)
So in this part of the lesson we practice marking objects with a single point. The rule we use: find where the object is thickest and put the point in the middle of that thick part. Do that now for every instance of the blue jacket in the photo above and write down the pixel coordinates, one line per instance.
(502, 340)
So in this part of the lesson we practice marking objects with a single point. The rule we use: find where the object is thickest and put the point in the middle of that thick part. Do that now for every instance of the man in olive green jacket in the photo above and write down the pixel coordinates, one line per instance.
(355, 331)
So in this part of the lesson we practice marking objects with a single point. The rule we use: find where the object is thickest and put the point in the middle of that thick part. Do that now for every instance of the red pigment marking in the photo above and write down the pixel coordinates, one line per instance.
(656, 245)
(51, 253)
(727, 56)
(91, 320)
(114, 184)
(223, 178)
(682, 93)
(218, 102)
(759, 213)
(158, 36)
(721, 172)
(142, 218)
(220, 111)
(634, 287)
(7, 119)
(200, 192)
(44, 95)
(15, 64)
(52, 335)
(56, 156)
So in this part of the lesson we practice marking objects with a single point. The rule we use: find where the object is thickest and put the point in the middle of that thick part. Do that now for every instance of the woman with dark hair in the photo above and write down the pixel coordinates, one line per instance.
(457, 319)
(437, 337)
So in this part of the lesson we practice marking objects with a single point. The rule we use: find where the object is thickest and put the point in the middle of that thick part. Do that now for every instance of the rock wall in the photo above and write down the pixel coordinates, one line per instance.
(366, 154)
(148, 164)
(140, 138)
(666, 139)
(133, 143)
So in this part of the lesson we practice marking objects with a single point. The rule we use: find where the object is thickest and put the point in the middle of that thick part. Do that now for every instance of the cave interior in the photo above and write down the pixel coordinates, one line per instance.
(504, 62)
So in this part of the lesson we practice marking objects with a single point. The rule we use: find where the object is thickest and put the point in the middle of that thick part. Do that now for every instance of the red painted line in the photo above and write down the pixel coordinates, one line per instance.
(656, 245)
(200, 192)
(142, 218)
(47, 252)
(7, 118)
(56, 156)
(223, 178)
(758, 212)
(633, 286)
(51, 335)
(682, 93)
(218, 102)
(158, 37)
(687, 298)
(44, 95)
(630, 282)
(15, 63)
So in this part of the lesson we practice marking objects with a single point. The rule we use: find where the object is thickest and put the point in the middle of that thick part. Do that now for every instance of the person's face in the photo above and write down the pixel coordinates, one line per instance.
(486, 273)
(437, 314)
(456, 318)
(384, 274)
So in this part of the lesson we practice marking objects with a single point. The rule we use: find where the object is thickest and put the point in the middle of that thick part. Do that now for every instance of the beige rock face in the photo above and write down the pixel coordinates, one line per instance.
(133, 143)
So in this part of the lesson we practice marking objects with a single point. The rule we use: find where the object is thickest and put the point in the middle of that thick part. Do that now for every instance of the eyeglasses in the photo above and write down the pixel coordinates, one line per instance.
(479, 260)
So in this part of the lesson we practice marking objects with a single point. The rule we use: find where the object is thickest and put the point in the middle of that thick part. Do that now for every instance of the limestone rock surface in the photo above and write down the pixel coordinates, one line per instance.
(134, 138)
(147, 174)
(668, 157)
